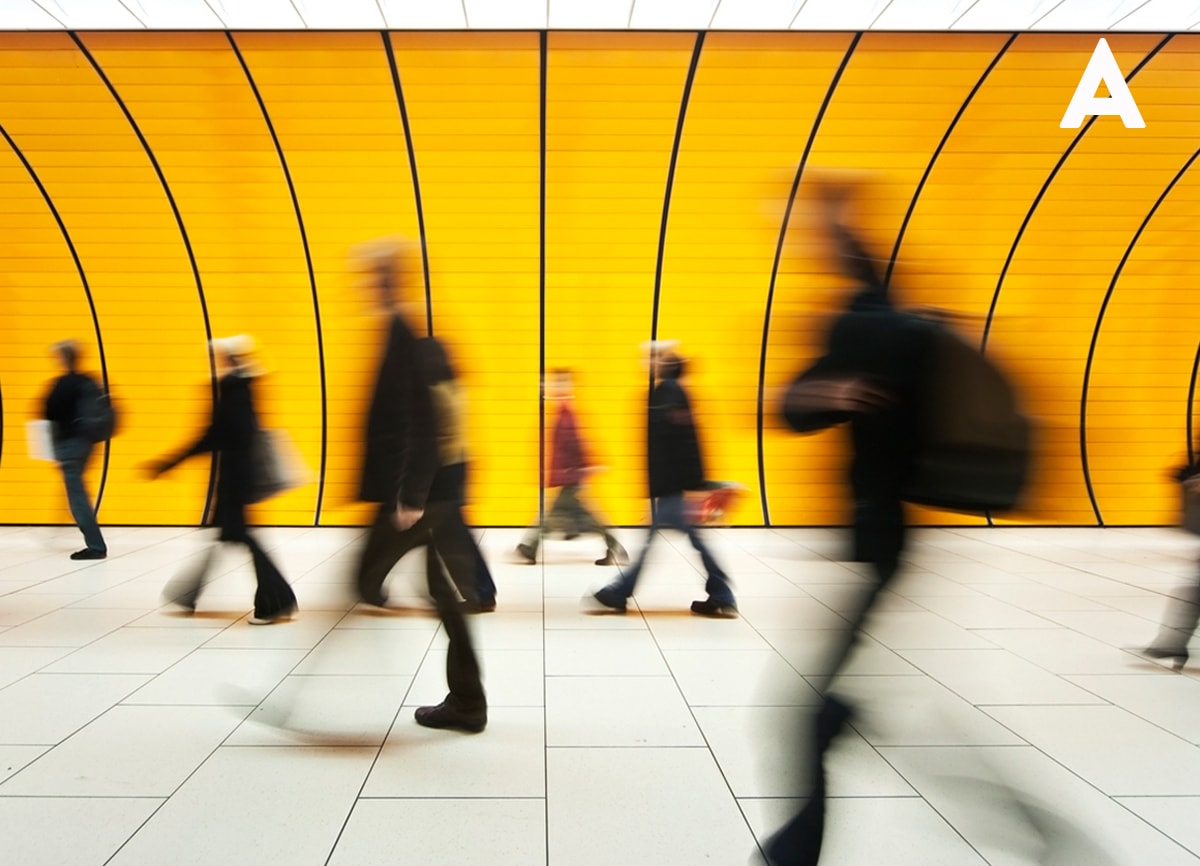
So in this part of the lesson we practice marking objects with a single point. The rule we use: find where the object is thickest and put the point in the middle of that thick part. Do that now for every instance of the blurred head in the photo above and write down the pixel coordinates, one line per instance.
(67, 352)
(381, 265)
(559, 384)
(235, 354)
(670, 365)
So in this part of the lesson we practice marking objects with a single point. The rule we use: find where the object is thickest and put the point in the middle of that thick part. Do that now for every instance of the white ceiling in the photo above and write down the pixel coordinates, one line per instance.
(935, 15)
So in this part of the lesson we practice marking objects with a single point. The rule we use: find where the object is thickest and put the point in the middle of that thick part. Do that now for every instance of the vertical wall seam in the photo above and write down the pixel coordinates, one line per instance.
(787, 214)
(312, 279)
(543, 64)
(187, 243)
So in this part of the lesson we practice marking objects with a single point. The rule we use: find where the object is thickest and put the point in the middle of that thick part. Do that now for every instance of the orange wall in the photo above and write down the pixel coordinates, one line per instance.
(577, 193)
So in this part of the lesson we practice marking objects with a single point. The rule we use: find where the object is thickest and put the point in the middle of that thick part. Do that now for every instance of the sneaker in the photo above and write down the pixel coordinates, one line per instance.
(610, 598)
(527, 553)
(446, 715)
(719, 610)
(283, 616)
(88, 553)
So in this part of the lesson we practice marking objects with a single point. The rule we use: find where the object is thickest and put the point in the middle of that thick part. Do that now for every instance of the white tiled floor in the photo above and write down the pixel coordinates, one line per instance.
(1000, 718)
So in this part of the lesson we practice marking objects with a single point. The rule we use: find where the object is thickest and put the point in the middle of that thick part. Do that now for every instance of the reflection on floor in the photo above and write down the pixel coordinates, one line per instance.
(999, 710)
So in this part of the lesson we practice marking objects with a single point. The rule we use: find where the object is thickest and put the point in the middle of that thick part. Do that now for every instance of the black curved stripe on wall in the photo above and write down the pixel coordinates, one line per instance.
(543, 65)
(912, 205)
(1191, 405)
(787, 215)
(1087, 370)
(87, 291)
(212, 366)
(312, 279)
(987, 325)
(1042, 194)
(412, 164)
(662, 232)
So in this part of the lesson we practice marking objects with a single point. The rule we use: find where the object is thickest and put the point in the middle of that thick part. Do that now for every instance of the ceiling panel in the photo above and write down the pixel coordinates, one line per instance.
(424, 14)
(506, 14)
(256, 14)
(933, 15)
(25, 15)
(596, 15)
(754, 14)
(838, 14)
(672, 14)
(92, 14)
(340, 14)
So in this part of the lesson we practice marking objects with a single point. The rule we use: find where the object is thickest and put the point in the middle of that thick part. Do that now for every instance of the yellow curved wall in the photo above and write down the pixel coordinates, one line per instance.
(575, 194)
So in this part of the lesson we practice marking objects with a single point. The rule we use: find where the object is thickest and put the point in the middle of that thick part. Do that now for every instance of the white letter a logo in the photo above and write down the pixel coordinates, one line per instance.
(1102, 67)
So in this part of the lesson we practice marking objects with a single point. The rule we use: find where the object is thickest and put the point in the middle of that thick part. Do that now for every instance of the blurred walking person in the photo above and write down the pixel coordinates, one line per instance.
(569, 468)
(230, 438)
(419, 498)
(67, 409)
(870, 377)
(1183, 608)
(675, 467)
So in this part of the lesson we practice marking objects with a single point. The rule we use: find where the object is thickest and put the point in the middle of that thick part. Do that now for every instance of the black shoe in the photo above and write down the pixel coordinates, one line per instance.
(88, 553)
(376, 599)
(719, 610)
(446, 715)
(617, 556)
(609, 597)
(285, 615)
(483, 605)
(527, 553)
(1177, 657)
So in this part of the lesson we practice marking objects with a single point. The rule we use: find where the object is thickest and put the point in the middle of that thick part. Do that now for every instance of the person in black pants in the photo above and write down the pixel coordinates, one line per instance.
(230, 438)
(72, 447)
(870, 376)
(403, 472)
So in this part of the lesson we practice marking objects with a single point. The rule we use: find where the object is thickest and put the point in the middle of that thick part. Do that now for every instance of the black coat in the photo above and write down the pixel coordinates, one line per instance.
(401, 453)
(230, 438)
(674, 449)
(62, 406)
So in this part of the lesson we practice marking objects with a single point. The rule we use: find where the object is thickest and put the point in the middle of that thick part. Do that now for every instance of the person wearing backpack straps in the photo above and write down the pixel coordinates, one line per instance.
(871, 377)
(67, 411)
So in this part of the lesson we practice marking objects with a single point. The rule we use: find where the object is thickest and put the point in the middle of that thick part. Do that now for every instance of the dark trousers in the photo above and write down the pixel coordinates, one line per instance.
(799, 842)
(569, 512)
(1183, 614)
(72, 455)
(272, 597)
(387, 545)
(443, 531)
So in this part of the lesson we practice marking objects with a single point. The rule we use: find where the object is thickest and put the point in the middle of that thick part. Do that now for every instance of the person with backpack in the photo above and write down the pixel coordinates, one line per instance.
(872, 377)
(74, 407)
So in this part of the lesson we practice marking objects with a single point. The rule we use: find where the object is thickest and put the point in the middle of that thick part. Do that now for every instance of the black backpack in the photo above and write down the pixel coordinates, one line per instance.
(97, 417)
(977, 443)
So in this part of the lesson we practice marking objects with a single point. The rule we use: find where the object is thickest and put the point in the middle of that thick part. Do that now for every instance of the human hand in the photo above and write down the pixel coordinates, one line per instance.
(154, 468)
(838, 394)
(406, 517)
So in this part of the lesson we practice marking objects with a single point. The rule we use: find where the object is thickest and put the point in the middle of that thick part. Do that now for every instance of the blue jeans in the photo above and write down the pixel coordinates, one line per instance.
(72, 456)
(670, 513)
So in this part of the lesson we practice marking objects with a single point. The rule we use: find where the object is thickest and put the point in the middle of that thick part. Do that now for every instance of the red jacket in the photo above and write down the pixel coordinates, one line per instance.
(567, 460)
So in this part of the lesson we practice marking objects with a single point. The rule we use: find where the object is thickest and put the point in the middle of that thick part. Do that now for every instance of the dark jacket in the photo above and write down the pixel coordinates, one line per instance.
(674, 449)
(230, 438)
(63, 405)
(892, 350)
(401, 454)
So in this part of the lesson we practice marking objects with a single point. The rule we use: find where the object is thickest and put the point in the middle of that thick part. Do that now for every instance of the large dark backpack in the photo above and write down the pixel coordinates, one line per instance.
(977, 443)
(97, 417)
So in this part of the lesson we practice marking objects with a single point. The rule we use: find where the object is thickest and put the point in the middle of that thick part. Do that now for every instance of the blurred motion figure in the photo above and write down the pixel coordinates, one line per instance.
(67, 407)
(569, 468)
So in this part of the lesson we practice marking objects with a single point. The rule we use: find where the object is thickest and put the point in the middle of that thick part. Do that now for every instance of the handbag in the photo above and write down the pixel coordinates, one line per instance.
(277, 466)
